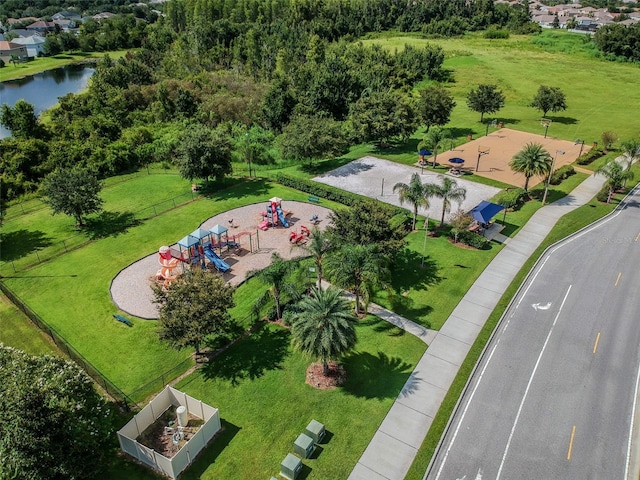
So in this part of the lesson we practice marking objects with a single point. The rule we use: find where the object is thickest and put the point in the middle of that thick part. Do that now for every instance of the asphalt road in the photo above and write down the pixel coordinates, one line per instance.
(553, 396)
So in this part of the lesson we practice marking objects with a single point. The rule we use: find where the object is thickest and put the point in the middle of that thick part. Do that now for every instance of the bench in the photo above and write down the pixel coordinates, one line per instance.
(313, 199)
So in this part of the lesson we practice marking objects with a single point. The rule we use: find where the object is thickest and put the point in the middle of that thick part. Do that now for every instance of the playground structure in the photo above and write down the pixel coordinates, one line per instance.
(168, 264)
(299, 238)
(274, 215)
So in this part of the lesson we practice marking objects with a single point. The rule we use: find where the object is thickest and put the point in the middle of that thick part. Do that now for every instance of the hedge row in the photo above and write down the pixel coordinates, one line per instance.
(334, 194)
(473, 240)
(590, 156)
(561, 174)
(512, 198)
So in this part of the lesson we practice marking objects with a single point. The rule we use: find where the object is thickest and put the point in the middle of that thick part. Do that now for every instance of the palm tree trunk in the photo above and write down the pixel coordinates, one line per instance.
(325, 368)
(526, 184)
(415, 217)
(319, 270)
(444, 210)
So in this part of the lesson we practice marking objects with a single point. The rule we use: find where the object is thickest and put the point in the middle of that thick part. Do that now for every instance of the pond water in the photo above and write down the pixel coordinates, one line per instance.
(43, 89)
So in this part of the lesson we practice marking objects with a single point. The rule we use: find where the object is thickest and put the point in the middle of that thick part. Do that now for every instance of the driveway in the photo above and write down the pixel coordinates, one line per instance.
(375, 178)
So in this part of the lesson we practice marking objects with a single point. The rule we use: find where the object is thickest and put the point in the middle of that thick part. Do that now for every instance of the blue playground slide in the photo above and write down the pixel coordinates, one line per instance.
(281, 217)
(220, 264)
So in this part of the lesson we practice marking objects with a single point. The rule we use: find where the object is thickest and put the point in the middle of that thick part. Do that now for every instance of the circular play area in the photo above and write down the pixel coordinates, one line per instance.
(229, 244)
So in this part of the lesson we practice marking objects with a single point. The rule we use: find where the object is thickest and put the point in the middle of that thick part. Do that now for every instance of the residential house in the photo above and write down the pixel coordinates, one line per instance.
(42, 27)
(34, 45)
(64, 15)
(9, 49)
(103, 16)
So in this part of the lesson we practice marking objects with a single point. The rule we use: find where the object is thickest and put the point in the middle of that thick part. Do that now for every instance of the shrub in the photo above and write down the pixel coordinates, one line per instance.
(2, 64)
(512, 198)
(590, 156)
(495, 33)
(561, 174)
(473, 240)
(603, 194)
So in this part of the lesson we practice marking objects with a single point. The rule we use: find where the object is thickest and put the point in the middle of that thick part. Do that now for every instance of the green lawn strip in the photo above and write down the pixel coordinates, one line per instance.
(16, 330)
(40, 64)
(520, 64)
(570, 223)
(259, 387)
(427, 295)
(71, 292)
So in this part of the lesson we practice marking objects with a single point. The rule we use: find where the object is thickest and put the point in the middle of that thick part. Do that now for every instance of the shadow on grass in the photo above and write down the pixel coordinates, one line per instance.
(399, 148)
(382, 326)
(110, 224)
(210, 455)
(224, 191)
(17, 244)
(262, 350)
(370, 376)
(411, 271)
(565, 120)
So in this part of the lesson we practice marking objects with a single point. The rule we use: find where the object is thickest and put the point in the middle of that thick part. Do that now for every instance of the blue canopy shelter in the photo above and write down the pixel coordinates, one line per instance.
(200, 234)
(188, 242)
(218, 230)
(485, 211)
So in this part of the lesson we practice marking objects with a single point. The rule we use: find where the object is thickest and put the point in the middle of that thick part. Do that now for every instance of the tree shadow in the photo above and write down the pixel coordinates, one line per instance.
(565, 120)
(399, 148)
(505, 121)
(411, 271)
(17, 244)
(223, 191)
(211, 454)
(372, 376)
(109, 224)
(460, 132)
(263, 349)
(381, 326)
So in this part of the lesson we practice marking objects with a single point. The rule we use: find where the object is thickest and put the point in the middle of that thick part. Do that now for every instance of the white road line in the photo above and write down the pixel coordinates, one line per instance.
(633, 416)
(526, 392)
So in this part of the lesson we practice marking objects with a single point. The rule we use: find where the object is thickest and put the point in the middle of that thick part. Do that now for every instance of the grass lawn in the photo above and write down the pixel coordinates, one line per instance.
(40, 64)
(71, 292)
(16, 330)
(259, 387)
(597, 95)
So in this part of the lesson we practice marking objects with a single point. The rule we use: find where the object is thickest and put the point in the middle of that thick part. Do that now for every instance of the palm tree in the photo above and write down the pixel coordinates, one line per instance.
(631, 153)
(318, 246)
(532, 160)
(616, 176)
(277, 276)
(449, 191)
(433, 140)
(359, 269)
(415, 193)
(324, 327)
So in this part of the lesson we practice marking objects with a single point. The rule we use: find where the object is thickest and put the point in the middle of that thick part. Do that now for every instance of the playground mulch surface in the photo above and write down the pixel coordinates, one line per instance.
(131, 288)
(503, 144)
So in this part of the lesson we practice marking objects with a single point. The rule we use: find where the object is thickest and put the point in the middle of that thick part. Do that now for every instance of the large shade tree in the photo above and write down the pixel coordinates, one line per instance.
(360, 269)
(324, 326)
(549, 99)
(72, 191)
(434, 105)
(21, 120)
(204, 153)
(485, 99)
(311, 137)
(193, 308)
(54, 424)
(532, 161)
(415, 193)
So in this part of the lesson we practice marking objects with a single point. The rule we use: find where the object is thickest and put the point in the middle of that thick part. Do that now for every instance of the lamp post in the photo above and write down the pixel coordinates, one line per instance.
(553, 162)
(581, 142)
(480, 154)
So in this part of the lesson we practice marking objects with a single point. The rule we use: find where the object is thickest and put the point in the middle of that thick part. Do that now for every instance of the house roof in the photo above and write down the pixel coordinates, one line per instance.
(4, 45)
(41, 24)
(33, 40)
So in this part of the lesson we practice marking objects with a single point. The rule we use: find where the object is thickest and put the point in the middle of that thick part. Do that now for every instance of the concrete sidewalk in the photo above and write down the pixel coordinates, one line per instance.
(395, 445)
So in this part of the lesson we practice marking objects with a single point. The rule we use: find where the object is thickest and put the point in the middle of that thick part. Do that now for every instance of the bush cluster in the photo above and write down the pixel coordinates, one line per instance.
(590, 156)
(495, 33)
(473, 240)
(603, 194)
(561, 174)
(511, 198)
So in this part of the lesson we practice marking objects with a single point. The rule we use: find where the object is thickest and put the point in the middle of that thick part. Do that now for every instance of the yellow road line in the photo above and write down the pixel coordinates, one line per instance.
(617, 279)
(573, 434)
(595, 345)
(638, 237)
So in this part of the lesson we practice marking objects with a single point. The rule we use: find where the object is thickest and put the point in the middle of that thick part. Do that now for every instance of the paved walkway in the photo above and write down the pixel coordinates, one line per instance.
(395, 445)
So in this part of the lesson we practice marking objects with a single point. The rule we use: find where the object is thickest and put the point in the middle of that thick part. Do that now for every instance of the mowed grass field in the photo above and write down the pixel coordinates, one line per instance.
(599, 93)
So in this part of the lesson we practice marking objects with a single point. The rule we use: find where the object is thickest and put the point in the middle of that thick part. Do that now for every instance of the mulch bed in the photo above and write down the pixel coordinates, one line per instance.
(316, 378)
